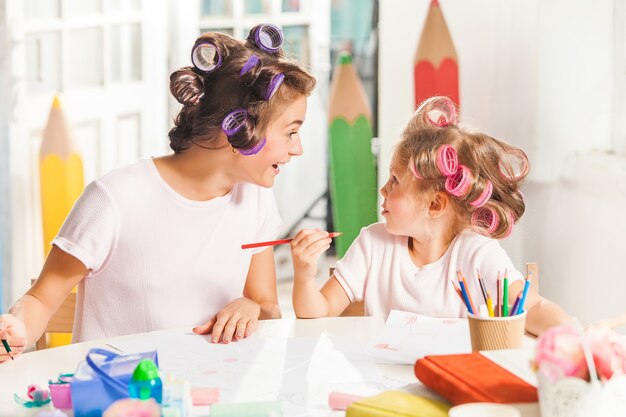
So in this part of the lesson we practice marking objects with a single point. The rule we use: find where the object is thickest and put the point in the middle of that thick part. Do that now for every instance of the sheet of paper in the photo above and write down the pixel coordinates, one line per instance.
(300, 371)
(406, 337)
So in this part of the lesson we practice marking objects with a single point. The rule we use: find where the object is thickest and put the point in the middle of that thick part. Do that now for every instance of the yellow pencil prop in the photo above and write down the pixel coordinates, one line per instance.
(61, 181)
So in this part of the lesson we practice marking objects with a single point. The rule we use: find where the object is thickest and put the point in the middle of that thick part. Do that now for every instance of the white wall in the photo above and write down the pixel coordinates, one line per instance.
(540, 75)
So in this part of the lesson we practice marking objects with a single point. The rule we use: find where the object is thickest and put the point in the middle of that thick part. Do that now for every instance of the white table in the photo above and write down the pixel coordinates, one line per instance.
(37, 367)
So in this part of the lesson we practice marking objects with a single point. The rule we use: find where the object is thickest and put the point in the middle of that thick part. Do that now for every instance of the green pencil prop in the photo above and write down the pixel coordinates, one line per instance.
(505, 296)
(352, 166)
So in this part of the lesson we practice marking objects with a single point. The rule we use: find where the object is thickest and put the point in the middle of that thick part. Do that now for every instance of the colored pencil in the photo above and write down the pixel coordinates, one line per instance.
(7, 348)
(520, 308)
(516, 303)
(469, 296)
(498, 294)
(353, 198)
(466, 298)
(490, 305)
(505, 295)
(279, 242)
(482, 286)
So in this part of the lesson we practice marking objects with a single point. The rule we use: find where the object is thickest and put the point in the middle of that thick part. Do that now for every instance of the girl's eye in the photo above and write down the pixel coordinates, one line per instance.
(291, 135)
(394, 179)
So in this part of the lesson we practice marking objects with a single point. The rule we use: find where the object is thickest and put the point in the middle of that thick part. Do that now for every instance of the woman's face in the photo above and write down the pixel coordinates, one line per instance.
(283, 142)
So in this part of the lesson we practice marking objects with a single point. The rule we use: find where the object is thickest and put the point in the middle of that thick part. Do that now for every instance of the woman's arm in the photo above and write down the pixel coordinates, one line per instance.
(28, 317)
(239, 318)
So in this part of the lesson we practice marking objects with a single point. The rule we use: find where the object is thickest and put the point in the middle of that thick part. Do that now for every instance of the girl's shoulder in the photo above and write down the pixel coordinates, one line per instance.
(470, 242)
(377, 234)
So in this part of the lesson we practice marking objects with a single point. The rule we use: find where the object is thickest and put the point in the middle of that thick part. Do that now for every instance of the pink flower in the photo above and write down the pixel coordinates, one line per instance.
(130, 407)
(559, 348)
(608, 350)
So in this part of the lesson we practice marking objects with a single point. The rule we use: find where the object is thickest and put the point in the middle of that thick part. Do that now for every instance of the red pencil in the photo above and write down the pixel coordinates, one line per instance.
(279, 242)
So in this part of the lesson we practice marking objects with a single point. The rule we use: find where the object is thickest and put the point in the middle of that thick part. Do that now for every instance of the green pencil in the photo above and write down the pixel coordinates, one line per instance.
(7, 347)
(505, 296)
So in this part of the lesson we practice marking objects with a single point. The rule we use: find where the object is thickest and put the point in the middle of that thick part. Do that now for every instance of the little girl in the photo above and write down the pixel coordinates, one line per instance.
(450, 194)
(157, 244)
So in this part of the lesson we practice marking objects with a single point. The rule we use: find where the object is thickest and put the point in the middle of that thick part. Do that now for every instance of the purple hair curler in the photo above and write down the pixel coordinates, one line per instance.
(486, 218)
(447, 160)
(482, 199)
(268, 37)
(459, 183)
(204, 56)
(252, 62)
(254, 150)
(277, 80)
(234, 121)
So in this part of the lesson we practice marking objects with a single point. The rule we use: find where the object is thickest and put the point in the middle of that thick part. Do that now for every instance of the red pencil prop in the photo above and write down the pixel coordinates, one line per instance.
(279, 242)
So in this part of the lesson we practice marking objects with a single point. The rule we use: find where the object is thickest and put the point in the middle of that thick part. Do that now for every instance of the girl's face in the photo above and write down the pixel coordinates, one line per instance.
(404, 213)
(283, 142)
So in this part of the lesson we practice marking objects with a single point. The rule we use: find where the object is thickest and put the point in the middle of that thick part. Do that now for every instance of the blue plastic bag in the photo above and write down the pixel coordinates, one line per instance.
(102, 378)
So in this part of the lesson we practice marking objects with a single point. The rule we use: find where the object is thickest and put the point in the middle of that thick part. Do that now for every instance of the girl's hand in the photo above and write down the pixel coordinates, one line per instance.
(14, 332)
(237, 320)
(306, 248)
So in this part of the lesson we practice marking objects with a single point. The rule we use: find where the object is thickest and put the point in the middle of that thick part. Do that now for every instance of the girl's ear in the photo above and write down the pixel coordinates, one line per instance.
(438, 205)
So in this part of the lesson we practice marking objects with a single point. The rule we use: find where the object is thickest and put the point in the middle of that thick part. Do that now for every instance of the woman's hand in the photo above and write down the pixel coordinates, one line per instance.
(234, 322)
(306, 248)
(14, 332)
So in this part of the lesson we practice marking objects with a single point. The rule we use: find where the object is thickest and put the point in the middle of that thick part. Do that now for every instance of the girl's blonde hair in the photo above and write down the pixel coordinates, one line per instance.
(482, 175)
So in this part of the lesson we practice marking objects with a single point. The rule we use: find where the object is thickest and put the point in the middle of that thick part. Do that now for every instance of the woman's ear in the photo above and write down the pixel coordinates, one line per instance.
(438, 204)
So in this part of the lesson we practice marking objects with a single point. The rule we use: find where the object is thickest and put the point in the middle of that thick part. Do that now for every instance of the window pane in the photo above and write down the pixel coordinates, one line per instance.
(125, 5)
(85, 58)
(43, 62)
(254, 7)
(88, 142)
(216, 8)
(128, 135)
(126, 52)
(296, 44)
(83, 7)
(291, 5)
(42, 9)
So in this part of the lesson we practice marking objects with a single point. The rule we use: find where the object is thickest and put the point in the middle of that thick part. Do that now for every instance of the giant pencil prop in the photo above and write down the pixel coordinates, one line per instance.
(353, 188)
(435, 69)
(61, 181)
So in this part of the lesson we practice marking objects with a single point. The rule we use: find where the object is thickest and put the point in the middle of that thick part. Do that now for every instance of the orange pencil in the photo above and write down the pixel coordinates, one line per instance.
(279, 242)
(469, 296)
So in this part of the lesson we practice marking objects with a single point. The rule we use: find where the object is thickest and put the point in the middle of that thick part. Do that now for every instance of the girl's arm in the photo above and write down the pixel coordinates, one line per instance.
(309, 302)
(28, 317)
(542, 313)
(240, 317)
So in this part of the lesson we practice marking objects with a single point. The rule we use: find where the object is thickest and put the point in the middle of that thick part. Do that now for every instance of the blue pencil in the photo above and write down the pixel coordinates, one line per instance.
(520, 307)
(465, 297)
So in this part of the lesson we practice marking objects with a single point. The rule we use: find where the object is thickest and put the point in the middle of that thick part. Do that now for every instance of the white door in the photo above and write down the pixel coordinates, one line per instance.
(106, 59)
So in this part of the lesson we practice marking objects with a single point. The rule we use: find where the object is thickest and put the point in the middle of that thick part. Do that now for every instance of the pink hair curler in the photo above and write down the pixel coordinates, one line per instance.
(447, 160)
(459, 183)
(413, 168)
(482, 199)
(486, 218)
(513, 165)
(443, 112)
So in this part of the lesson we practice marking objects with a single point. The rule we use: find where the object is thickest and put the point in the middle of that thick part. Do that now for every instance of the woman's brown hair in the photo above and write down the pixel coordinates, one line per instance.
(208, 97)
(491, 164)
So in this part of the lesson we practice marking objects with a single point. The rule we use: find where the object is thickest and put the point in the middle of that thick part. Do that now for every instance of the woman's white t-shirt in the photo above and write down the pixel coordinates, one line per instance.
(158, 260)
(378, 269)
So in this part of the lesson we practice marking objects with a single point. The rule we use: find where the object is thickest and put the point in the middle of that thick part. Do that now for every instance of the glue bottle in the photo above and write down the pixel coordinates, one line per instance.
(146, 382)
